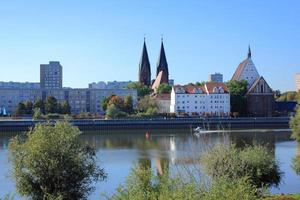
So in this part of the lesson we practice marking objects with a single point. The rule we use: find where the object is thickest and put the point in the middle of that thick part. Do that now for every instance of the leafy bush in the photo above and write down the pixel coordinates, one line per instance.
(50, 162)
(254, 162)
(232, 190)
(144, 184)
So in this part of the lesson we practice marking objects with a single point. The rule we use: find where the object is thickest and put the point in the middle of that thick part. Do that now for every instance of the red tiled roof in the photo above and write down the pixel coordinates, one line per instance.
(211, 85)
(239, 70)
(157, 81)
(189, 89)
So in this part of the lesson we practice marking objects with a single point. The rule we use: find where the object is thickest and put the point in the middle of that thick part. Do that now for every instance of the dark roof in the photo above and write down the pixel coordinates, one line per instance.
(162, 63)
(256, 82)
(144, 61)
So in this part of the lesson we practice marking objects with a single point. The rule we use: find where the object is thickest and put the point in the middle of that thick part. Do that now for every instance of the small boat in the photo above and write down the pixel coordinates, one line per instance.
(200, 131)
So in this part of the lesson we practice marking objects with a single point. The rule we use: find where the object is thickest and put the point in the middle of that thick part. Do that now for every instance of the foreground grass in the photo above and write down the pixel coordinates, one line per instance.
(284, 197)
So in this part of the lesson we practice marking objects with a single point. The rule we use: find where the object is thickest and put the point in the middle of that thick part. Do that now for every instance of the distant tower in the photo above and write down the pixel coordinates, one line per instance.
(51, 75)
(144, 67)
(162, 65)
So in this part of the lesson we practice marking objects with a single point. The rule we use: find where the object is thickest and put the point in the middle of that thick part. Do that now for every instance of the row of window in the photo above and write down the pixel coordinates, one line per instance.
(200, 107)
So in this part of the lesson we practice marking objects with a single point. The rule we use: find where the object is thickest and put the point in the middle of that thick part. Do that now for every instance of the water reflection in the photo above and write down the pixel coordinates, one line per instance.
(119, 151)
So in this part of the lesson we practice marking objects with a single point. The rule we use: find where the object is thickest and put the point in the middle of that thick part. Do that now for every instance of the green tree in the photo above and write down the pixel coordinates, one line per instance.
(20, 110)
(39, 104)
(50, 161)
(238, 91)
(128, 104)
(105, 101)
(164, 89)
(28, 108)
(65, 108)
(113, 112)
(51, 105)
(117, 101)
(295, 126)
(142, 90)
(145, 103)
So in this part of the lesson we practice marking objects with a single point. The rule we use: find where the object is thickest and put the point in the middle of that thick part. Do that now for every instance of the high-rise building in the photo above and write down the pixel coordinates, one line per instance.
(216, 77)
(51, 75)
(144, 67)
(297, 81)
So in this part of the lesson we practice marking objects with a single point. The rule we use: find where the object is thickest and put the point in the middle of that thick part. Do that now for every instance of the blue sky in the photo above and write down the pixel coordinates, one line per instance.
(102, 40)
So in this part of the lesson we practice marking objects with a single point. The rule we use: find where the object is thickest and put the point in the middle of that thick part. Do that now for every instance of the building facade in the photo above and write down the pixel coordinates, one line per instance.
(80, 100)
(213, 99)
(297, 81)
(163, 102)
(216, 77)
(51, 75)
(19, 85)
(110, 85)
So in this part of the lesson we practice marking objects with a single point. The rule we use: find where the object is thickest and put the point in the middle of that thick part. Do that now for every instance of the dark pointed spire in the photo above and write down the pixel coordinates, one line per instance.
(144, 67)
(249, 52)
(162, 64)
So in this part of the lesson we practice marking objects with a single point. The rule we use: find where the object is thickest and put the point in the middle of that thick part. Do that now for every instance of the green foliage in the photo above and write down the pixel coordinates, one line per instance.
(50, 162)
(51, 105)
(254, 162)
(39, 104)
(142, 90)
(147, 107)
(117, 101)
(128, 104)
(289, 96)
(20, 108)
(65, 108)
(295, 126)
(105, 102)
(238, 89)
(37, 114)
(113, 112)
(232, 190)
(164, 89)
(296, 162)
(142, 183)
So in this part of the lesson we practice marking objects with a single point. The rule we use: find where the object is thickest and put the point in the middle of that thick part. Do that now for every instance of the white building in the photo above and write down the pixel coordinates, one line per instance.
(99, 85)
(213, 99)
(216, 77)
(110, 85)
(297, 81)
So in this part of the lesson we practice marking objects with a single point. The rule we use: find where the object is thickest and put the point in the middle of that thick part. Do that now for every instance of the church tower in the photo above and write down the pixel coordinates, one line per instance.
(162, 65)
(144, 67)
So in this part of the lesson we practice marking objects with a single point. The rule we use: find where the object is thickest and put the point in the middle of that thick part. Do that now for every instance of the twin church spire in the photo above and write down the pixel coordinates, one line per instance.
(161, 67)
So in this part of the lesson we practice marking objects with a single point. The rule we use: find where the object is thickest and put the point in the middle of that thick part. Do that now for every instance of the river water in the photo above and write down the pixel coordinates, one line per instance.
(119, 151)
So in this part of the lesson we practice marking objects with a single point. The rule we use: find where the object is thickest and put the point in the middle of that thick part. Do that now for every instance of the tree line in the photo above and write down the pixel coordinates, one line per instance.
(49, 106)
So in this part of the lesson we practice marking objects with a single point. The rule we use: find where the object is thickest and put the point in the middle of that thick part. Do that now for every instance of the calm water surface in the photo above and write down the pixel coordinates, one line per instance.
(119, 151)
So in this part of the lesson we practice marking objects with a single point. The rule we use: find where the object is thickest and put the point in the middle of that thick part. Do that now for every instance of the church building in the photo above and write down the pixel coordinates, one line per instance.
(260, 97)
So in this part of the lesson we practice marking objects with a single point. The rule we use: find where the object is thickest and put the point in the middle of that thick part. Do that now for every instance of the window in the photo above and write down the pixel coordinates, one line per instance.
(195, 107)
(261, 88)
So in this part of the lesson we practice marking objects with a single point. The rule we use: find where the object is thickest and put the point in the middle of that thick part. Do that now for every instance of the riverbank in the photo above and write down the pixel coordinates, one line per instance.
(156, 123)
